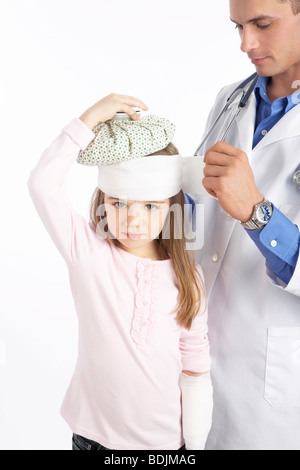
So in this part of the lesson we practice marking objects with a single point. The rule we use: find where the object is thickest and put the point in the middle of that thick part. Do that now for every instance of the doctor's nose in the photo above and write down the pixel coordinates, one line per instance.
(249, 41)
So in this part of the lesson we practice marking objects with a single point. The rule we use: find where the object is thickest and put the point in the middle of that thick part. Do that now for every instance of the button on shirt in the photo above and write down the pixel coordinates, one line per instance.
(280, 236)
(278, 241)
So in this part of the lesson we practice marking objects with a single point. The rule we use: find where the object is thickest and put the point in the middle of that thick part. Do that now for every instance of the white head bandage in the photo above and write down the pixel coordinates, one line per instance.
(125, 172)
(152, 178)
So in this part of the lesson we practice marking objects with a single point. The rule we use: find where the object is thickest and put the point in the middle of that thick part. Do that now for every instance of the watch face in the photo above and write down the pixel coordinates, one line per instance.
(264, 213)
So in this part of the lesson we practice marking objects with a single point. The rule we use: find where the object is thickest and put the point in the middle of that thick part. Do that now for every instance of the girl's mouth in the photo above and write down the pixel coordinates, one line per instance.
(134, 236)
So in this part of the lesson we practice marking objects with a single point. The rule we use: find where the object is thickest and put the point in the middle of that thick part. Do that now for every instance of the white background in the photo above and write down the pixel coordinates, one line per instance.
(58, 57)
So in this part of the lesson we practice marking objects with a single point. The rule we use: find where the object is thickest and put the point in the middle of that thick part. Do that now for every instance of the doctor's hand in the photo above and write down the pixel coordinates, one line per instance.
(229, 178)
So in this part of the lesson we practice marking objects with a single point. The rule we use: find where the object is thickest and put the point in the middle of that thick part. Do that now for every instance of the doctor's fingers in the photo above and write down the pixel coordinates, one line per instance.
(219, 159)
(227, 149)
(211, 184)
(214, 170)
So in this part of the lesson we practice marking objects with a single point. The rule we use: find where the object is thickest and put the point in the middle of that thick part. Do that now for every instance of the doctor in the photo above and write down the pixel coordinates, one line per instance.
(251, 250)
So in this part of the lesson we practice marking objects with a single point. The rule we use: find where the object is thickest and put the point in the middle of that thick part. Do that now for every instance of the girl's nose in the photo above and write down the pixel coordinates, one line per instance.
(133, 217)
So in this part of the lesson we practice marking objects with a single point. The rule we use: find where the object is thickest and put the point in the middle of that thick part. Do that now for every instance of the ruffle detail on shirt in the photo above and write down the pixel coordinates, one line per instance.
(145, 300)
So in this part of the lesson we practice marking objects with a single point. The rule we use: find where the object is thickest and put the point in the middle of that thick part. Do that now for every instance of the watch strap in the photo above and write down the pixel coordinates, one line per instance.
(251, 225)
(254, 223)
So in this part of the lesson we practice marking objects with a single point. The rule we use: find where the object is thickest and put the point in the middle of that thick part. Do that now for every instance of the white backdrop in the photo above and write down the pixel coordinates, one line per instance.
(58, 57)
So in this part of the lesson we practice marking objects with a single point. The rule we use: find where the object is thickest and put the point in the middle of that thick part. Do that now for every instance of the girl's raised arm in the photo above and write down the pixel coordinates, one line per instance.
(47, 180)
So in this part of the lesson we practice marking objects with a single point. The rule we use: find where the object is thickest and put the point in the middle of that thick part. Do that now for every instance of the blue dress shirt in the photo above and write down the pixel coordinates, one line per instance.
(268, 113)
(280, 231)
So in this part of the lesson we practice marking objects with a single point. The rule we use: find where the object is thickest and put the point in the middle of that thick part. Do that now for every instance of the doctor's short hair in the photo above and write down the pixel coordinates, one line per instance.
(295, 5)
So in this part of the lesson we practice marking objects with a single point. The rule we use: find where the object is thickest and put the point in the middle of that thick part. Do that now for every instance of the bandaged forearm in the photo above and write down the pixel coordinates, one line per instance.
(197, 407)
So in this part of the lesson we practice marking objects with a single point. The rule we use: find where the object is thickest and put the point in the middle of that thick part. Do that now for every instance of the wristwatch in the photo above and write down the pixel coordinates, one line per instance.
(261, 216)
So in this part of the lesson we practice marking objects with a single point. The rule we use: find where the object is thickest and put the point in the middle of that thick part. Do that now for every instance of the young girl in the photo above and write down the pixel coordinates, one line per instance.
(142, 376)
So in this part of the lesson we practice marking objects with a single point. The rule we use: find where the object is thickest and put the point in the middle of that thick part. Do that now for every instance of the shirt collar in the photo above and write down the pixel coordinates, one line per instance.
(260, 89)
(261, 94)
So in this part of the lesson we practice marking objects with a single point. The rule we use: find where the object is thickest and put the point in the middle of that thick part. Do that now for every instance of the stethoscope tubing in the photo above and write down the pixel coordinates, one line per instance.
(243, 102)
(296, 179)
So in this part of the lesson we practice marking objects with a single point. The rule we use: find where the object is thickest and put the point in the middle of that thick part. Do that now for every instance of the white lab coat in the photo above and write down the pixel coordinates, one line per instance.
(254, 319)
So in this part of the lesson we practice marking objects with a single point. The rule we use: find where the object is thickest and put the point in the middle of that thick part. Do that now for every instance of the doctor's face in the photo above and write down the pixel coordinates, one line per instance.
(270, 35)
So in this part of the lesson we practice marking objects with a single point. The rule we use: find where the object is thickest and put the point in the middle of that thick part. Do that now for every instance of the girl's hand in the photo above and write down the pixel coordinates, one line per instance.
(109, 106)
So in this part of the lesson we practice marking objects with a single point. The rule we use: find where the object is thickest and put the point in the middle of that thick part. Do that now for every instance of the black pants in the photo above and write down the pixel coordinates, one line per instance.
(82, 443)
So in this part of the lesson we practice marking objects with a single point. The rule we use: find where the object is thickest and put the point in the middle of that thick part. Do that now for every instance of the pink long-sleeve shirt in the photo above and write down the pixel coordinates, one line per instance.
(125, 390)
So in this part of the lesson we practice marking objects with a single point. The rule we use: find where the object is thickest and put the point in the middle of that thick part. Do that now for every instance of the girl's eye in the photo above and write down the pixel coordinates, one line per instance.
(151, 207)
(239, 26)
(120, 205)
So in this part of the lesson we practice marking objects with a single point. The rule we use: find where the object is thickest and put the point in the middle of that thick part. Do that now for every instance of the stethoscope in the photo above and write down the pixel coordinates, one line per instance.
(252, 80)
(243, 102)
(296, 179)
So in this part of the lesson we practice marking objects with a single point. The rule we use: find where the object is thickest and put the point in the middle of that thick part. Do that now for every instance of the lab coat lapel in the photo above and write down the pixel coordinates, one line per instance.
(240, 136)
(287, 127)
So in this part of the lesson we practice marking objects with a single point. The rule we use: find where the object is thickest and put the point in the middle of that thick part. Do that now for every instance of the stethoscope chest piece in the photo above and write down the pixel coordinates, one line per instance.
(296, 179)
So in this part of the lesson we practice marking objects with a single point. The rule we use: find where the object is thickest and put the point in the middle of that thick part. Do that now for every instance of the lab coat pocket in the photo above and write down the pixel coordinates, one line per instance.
(282, 383)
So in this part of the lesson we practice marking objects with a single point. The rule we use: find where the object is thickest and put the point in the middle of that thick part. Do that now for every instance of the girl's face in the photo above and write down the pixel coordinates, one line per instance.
(136, 224)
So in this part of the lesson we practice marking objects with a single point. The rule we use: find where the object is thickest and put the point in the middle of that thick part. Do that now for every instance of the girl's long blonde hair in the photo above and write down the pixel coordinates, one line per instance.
(190, 283)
